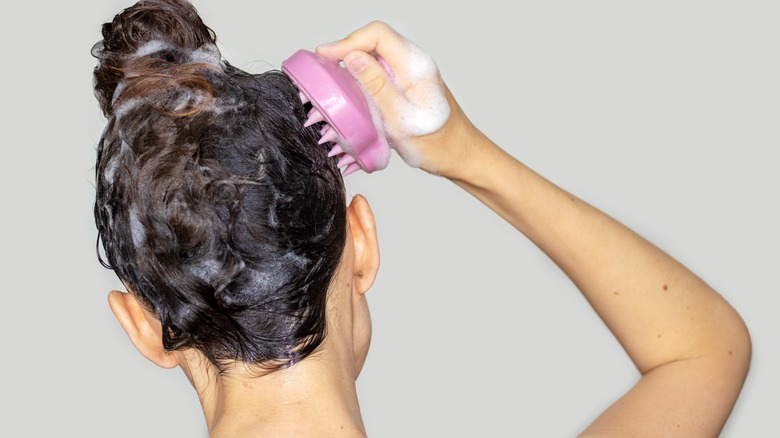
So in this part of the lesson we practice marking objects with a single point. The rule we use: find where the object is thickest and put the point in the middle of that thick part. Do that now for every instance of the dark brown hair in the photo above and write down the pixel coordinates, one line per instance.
(214, 204)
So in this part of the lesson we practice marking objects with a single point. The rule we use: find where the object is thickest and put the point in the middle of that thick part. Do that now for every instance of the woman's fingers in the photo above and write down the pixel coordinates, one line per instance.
(373, 78)
(379, 39)
(374, 37)
(404, 85)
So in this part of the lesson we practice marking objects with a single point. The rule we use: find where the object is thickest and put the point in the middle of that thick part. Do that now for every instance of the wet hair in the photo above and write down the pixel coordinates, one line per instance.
(214, 204)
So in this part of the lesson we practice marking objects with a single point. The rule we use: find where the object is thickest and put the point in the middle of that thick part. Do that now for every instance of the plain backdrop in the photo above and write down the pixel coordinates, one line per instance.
(664, 114)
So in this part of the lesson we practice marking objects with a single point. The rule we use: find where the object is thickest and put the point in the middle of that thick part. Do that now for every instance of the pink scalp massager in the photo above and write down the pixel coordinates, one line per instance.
(337, 99)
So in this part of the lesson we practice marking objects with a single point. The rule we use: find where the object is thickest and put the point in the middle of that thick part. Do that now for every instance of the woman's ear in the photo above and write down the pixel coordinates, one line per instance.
(364, 243)
(143, 329)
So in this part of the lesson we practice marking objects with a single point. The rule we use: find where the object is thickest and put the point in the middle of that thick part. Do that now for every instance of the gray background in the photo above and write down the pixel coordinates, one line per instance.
(664, 114)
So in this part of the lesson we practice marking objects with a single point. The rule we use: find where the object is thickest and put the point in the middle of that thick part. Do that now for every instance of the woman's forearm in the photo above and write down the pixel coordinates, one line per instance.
(658, 310)
(691, 347)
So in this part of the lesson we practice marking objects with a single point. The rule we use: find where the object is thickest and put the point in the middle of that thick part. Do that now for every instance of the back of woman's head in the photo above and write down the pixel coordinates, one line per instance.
(214, 204)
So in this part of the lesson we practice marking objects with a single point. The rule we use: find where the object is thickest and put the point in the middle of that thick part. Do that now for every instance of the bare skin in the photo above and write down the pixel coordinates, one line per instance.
(314, 398)
(691, 347)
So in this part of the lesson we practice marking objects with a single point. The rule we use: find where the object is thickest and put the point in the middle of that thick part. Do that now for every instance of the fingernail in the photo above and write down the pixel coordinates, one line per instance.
(326, 46)
(355, 63)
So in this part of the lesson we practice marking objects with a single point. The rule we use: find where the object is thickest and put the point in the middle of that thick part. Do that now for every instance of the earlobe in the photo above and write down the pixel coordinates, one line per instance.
(362, 227)
(143, 329)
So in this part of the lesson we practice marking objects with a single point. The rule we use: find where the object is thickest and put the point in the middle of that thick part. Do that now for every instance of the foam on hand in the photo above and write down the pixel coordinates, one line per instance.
(425, 109)
(421, 108)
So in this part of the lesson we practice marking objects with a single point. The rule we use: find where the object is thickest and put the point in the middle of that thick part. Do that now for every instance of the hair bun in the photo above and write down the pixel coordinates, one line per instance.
(147, 38)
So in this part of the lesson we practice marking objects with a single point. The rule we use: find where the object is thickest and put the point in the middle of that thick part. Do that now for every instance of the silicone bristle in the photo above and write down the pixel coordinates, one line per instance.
(314, 117)
(329, 136)
(345, 160)
(352, 168)
(337, 103)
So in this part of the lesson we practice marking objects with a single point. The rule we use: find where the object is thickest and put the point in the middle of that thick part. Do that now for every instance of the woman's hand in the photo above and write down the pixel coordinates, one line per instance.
(421, 119)
(690, 345)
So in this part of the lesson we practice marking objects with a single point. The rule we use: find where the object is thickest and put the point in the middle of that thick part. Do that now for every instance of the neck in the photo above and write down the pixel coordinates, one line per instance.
(311, 398)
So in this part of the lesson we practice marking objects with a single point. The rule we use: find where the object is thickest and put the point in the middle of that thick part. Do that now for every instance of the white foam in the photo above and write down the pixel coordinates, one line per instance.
(279, 272)
(376, 118)
(151, 47)
(110, 173)
(137, 231)
(208, 54)
(117, 91)
(425, 109)
(420, 64)
(272, 279)
(126, 105)
(188, 99)
(207, 269)
(297, 260)
(273, 220)
(421, 107)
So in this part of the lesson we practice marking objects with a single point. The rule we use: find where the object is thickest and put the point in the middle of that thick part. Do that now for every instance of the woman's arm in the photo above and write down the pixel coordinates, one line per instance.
(690, 345)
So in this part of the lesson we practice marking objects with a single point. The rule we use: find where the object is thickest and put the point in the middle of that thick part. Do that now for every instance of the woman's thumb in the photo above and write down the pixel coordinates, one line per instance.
(371, 76)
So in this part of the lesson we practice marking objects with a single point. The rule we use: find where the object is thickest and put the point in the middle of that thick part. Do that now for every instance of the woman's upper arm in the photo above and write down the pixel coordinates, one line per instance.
(684, 398)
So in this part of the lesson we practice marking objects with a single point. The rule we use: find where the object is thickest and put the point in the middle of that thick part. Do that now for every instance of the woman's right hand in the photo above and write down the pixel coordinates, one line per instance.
(421, 119)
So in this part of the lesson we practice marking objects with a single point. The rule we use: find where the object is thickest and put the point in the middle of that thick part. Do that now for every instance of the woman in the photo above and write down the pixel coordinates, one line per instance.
(228, 225)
